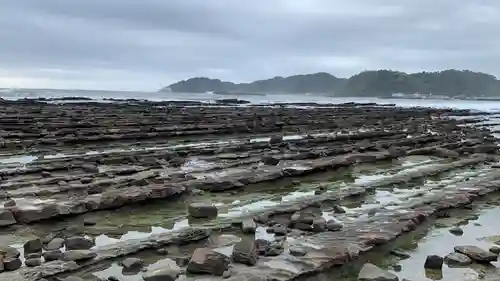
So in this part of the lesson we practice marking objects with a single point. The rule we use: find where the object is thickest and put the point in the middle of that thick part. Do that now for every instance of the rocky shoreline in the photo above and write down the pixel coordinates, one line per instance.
(71, 160)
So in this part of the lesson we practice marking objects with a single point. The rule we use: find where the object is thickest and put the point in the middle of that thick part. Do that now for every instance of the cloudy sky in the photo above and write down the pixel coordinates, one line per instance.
(147, 44)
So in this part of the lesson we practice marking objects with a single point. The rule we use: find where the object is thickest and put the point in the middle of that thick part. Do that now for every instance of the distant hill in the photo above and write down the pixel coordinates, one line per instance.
(368, 83)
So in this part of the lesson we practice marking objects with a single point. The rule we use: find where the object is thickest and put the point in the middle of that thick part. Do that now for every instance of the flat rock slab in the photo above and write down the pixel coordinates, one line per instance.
(457, 259)
(371, 272)
(476, 253)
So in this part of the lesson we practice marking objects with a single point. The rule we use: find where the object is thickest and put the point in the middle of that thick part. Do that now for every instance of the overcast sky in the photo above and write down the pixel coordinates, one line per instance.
(147, 44)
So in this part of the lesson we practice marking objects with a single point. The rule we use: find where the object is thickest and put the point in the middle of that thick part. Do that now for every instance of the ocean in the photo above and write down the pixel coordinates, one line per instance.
(13, 94)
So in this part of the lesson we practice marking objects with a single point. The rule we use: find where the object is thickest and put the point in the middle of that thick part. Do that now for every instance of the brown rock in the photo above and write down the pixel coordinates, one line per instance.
(207, 261)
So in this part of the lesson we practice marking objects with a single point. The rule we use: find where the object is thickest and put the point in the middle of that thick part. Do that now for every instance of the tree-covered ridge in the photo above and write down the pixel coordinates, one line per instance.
(367, 83)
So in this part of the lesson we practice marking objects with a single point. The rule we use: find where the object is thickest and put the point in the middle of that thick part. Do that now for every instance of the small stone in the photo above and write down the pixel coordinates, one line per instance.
(457, 259)
(297, 252)
(279, 230)
(495, 250)
(78, 255)
(55, 244)
(132, 263)
(333, 225)
(78, 243)
(89, 221)
(52, 255)
(33, 246)
(457, 231)
(400, 254)
(371, 272)
(11, 264)
(201, 210)
(162, 251)
(433, 262)
(248, 226)
(338, 209)
(72, 278)
(46, 174)
(33, 262)
(9, 204)
(226, 274)
(182, 261)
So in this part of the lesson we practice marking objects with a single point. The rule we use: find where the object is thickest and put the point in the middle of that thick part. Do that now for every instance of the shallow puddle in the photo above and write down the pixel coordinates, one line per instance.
(481, 228)
(441, 242)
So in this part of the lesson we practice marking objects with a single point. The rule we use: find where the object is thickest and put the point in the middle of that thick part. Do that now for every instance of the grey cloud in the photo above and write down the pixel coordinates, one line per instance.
(128, 44)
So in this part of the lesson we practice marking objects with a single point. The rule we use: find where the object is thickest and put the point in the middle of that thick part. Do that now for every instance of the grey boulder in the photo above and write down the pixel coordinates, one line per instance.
(433, 262)
(33, 246)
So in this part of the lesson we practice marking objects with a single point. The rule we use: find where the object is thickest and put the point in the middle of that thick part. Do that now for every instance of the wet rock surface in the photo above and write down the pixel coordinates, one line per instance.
(476, 253)
(244, 161)
(371, 272)
(457, 259)
(78, 255)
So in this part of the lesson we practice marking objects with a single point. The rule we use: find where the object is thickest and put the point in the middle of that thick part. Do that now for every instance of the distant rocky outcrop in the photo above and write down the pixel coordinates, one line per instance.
(309, 83)
(452, 83)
